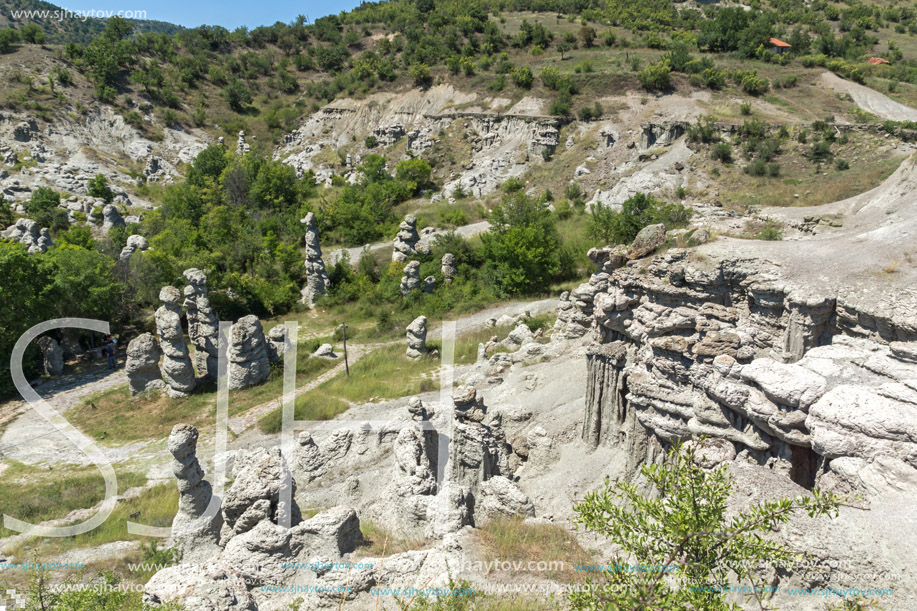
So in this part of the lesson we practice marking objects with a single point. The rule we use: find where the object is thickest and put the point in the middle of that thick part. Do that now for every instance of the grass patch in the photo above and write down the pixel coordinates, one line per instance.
(155, 507)
(380, 541)
(114, 417)
(385, 373)
(39, 499)
(511, 539)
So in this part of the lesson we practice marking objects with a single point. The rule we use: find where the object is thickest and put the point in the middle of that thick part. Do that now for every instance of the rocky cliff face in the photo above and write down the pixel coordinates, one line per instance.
(804, 382)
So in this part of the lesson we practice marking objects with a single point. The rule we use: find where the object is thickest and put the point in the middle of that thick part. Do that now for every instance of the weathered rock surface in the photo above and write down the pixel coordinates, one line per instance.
(411, 279)
(647, 241)
(248, 355)
(52, 357)
(317, 281)
(277, 343)
(111, 218)
(500, 498)
(417, 337)
(799, 381)
(407, 241)
(28, 233)
(142, 365)
(203, 324)
(211, 586)
(177, 370)
(134, 243)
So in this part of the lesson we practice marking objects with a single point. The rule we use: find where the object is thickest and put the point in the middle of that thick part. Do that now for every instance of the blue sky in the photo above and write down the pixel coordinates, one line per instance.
(227, 13)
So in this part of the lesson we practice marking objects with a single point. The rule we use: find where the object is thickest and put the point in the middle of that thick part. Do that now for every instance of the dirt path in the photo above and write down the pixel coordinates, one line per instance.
(870, 100)
(468, 231)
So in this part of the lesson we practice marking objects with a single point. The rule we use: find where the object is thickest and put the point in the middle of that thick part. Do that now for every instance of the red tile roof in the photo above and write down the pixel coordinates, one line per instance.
(779, 43)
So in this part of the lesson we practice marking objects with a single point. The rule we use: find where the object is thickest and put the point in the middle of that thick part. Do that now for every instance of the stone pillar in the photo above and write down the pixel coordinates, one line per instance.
(142, 364)
(52, 357)
(177, 370)
(248, 356)
(449, 268)
(197, 537)
(406, 239)
(411, 279)
(203, 324)
(417, 338)
(317, 282)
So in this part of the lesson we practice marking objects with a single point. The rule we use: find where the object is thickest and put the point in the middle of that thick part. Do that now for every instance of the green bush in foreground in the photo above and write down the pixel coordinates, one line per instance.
(683, 530)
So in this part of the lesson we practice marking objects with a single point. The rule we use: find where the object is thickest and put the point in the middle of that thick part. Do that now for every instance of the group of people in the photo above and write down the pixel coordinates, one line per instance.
(109, 346)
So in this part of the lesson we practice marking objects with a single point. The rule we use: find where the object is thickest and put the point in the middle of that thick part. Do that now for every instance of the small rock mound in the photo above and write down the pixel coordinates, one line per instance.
(134, 243)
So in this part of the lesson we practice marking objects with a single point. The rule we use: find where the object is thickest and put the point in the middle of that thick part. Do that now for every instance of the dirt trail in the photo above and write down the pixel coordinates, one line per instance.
(870, 100)
(468, 231)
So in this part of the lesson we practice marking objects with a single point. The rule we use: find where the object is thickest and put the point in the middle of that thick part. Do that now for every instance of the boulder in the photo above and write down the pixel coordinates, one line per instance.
(647, 241)
(134, 243)
(277, 343)
(256, 492)
(501, 498)
(111, 218)
(211, 586)
(325, 351)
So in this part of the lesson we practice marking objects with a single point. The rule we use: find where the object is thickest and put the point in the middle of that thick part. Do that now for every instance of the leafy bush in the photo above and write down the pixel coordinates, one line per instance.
(656, 77)
(721, 151)
(420, 74)
(371, 142)
(608, 226)
(98, 187)
(523, 77)
(758, 167)
(237, 96)
(841, 164)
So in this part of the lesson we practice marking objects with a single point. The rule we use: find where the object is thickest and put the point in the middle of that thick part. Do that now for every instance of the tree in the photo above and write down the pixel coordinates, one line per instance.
(656, 77)
(682, 536)
(83, 283)
(522, 249)
(98, 187)
(415, 173)
(32, 34)
(420, 74)
(587, 35)
(610, 226)
(237, 95)
(43, 199)
(8, 38)
(523, 77)
(563, 47)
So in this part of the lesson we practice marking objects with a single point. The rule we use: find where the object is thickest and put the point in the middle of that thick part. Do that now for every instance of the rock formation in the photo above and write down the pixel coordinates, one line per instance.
(406, 240)
(111, 218)
(242, 146)
(256, 492)
(248, 357)
(203, 324)
(28, 233)
(417, 338)
(142, 364)
(449, 268)
(317, 281)
(198, 534)
(177, 371)
(411, 279)
(802, 381)
(134, 243)
(429, 284)
(647, 241)
(52, 357)
(277, 343)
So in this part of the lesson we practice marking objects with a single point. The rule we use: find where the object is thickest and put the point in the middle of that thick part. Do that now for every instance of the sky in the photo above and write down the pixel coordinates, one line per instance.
(228, 13)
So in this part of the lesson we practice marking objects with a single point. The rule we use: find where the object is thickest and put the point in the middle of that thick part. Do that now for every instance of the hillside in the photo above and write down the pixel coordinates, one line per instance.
(651, 222)
(61, 28)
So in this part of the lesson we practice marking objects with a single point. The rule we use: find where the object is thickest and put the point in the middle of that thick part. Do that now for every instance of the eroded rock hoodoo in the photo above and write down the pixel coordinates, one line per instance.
(248, 356)
(177, 370)
(417, 338)
(142, 365)
(317, 281)
(411, 280)
(203, 324)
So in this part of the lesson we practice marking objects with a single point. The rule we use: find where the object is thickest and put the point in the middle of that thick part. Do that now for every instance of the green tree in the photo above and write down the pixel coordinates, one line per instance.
(83, 283)
(43, 200)
(522, 248)
(587, 35)
(415, 173)
(523, 77)
(32, 34)
(681, 530)
(237, 95)
(98, 187)
(656, 77)
(420, 74)
(8, 39)
(609, 226)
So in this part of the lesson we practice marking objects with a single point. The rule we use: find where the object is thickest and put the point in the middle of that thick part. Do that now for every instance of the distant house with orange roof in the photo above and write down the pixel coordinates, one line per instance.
(877, 61)
(778, 46)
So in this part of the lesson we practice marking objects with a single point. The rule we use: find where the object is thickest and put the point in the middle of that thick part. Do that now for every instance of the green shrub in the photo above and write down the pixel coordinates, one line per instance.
(656, 77)
(371, 142)
(98, 187)
(608, 226)
(721, 151)
(841, 164)
(758, 167)
(522, 77)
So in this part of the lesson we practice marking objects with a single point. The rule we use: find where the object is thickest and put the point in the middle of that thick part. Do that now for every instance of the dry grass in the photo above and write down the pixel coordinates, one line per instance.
(381, 542)
(511, 539)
